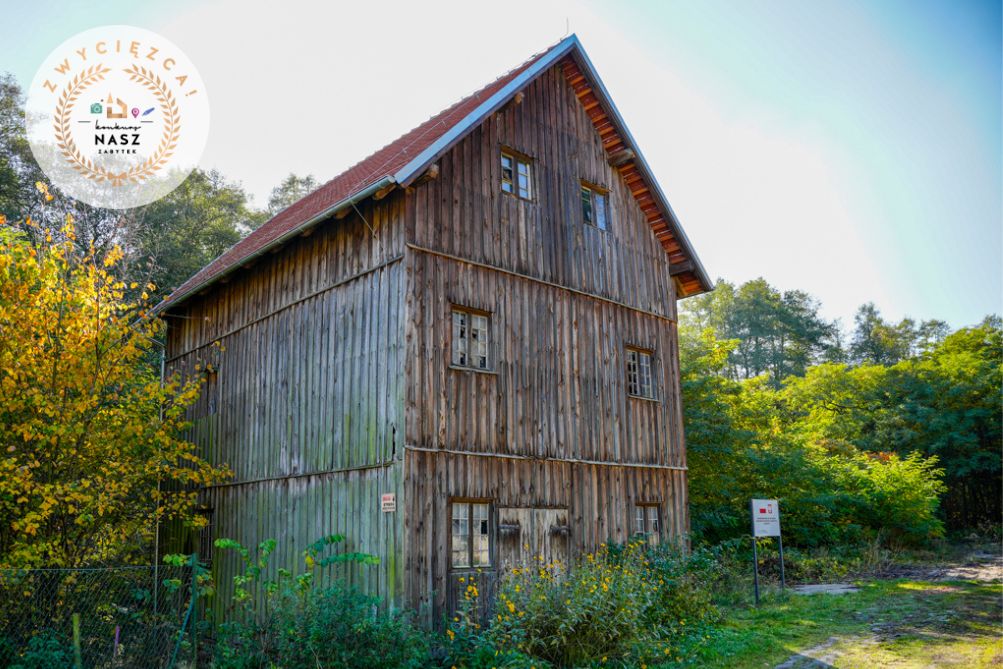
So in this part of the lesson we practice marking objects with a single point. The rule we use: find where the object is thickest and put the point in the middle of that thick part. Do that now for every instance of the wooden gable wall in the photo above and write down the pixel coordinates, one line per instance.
(551, 426)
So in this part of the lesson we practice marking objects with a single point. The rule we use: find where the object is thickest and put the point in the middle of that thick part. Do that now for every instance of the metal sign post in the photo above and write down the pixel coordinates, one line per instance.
(765, 514)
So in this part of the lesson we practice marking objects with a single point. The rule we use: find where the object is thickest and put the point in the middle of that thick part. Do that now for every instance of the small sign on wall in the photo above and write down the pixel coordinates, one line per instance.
(388, 502)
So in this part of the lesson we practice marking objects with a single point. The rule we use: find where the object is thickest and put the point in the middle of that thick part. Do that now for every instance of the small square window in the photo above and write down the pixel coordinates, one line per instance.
(595, 206)
(639, 373)
(470, 339)
(470, 534)
(646, 522)
(517, 175)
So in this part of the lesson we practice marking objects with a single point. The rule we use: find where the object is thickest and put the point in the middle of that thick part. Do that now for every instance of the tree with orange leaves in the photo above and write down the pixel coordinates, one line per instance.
(91, 453)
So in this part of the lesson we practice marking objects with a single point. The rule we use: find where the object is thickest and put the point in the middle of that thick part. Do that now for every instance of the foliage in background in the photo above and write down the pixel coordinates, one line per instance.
(853, 451)
(164, 242)
(89, 452)
(290, 191)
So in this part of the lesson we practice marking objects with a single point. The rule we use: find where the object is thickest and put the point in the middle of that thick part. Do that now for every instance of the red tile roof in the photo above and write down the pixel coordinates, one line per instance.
(385, 162)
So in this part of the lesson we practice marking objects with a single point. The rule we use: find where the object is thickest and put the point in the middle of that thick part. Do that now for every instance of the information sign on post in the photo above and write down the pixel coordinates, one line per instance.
(765, 523)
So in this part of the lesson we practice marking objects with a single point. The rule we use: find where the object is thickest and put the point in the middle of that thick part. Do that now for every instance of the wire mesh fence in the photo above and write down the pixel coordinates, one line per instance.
(119, 617)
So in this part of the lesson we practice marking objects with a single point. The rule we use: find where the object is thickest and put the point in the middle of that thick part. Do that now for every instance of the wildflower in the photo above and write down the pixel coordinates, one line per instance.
(451, 634)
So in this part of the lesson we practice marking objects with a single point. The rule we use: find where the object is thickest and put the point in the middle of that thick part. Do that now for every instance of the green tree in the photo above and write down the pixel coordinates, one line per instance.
(173, 238)
(292, 189)
(777, 333)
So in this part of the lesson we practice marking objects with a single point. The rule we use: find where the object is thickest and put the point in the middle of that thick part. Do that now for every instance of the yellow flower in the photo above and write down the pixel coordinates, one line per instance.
(452, 635)
(511, 607)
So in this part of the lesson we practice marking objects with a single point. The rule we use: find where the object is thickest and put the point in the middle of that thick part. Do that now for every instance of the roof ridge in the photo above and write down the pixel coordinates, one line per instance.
(438, 115)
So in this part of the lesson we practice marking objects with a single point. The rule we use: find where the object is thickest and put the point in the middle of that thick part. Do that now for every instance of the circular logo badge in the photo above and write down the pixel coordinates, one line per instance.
(117, 117)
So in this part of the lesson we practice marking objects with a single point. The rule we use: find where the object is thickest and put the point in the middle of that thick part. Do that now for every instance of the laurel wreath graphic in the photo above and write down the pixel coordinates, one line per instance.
(168, 141)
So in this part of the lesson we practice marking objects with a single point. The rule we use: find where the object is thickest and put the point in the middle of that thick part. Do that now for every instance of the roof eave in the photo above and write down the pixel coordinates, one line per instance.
(362, 194)
(642, 164)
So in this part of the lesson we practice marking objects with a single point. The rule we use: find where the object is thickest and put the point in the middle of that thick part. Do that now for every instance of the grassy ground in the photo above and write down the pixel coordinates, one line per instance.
(888, 623)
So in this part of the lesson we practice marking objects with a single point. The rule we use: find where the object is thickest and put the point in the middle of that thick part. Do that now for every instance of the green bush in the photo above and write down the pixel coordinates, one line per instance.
(621, 606)
(287, 622)
(330, 627)
(45, 651)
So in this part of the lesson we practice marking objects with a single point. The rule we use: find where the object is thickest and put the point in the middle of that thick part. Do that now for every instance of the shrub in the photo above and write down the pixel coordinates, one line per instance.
(331, 627)
(45, 651)
(619, 606)
(287, 622)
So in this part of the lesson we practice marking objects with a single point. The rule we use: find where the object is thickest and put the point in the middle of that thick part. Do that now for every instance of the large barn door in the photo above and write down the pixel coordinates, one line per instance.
(525, 535)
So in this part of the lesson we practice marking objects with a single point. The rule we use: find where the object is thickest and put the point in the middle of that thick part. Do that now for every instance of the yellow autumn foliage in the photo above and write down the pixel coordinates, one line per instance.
(91, 452)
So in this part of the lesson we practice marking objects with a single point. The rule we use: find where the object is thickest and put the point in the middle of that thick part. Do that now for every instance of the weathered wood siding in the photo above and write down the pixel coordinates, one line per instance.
(599, 500)
(465, 213)
(552, 425)
(557, 388)
(307, 403)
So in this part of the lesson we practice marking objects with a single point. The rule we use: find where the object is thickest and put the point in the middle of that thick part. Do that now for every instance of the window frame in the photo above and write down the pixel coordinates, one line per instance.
(469, 503)
(652, 522)
(642, 353)
(517, 159)
(471, 314)
(593, 191)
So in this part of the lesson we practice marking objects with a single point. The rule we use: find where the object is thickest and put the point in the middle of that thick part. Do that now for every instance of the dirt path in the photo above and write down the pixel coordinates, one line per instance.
(979, 567)
(873, 647)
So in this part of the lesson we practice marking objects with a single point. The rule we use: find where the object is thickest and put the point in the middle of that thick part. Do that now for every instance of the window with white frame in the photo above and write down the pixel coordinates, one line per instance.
(517, 175)
(639, 379)
(595, 206)
(470, 534)
(470, 339)
(646, 522)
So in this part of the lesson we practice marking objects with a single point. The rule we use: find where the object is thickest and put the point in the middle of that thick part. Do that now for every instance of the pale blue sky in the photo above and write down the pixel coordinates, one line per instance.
(850, 149)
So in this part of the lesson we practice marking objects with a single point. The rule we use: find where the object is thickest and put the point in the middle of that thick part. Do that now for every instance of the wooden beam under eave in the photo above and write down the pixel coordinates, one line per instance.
(680, 268)
(383, 192)
(431, 173)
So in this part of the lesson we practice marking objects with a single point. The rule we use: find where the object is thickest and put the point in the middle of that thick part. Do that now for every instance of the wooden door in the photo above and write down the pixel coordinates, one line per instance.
(527, 534)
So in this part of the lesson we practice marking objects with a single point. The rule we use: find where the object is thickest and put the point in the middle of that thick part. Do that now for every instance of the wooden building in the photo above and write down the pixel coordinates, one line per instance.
(459, 353)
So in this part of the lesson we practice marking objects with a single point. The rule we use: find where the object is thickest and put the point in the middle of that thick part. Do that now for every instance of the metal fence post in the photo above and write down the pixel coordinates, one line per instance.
(195, 609)
(78, 658)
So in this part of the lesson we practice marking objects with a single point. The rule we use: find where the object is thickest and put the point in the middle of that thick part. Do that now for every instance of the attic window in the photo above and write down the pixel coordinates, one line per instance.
(517, 175)
(595, 206)
(639, 373)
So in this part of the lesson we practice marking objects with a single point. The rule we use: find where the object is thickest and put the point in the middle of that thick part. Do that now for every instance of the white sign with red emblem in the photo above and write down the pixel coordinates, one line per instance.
(765, 518)
(388, 502)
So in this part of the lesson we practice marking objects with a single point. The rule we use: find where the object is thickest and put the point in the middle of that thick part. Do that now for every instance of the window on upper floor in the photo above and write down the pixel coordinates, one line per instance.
(517, 174)
(639, 377)
(646, 521)
(595, 206)
(470, 534)
(470, 339)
